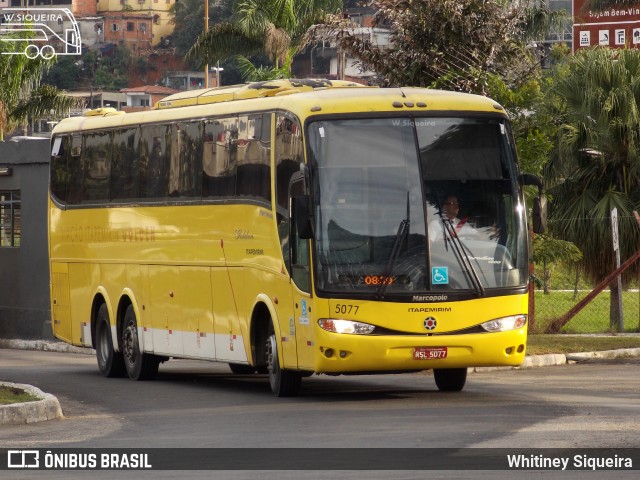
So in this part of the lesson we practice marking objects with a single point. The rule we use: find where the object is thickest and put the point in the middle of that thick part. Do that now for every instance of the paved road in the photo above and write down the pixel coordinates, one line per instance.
(197, 404)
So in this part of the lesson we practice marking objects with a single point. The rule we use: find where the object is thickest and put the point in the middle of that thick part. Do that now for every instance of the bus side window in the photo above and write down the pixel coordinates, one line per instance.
(219, 158)
(288, 158)
(254, 157)
(300, 264)
(59, 167)
(96, 157)
(75, 172)
(125, 169)
(186, 160)
(156, 183)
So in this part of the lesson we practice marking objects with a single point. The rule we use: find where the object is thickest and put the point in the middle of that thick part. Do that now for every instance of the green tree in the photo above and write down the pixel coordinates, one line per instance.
(65, 74)
(111, 71)
(21, 95)
(274, 27)
(452, 44)
(596, 100)
(188, 18)
(549, 251)
(533, 129)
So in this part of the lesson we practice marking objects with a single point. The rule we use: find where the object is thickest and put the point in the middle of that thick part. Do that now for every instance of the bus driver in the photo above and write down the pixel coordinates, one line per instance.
(450, 210)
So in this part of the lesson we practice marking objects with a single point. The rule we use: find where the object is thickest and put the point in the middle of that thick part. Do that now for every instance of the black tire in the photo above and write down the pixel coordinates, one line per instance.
(242, 369)
(450, 379)
(284, 383)
(139, 365)
(110, 362)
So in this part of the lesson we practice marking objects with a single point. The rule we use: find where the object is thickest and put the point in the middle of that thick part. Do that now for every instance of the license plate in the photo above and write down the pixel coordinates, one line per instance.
(429, 353)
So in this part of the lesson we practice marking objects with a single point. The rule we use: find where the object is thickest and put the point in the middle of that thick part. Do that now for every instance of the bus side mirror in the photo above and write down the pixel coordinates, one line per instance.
(539, 214)
(302, 215)
(530, 179)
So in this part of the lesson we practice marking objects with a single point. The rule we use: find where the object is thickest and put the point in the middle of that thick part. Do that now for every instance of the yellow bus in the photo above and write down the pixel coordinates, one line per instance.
(292, 227)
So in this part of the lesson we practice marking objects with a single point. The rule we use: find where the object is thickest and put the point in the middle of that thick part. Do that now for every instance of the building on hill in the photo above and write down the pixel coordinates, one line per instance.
(131, 29)
(134, 22)
(145, 97)
(98, 98)
(137, 24)
(188, 80)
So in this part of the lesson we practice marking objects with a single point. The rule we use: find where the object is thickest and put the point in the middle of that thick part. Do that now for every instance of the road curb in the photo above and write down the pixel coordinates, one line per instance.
(47, 408)
(44, 345)
(551, 359)
(530, 361)
(620, 353)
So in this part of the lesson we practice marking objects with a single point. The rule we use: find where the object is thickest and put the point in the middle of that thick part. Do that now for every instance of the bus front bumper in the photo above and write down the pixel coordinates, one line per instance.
(344, 353)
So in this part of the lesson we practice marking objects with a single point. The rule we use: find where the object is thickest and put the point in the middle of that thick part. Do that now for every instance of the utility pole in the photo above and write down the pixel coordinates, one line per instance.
(206, 29)
(616, 323)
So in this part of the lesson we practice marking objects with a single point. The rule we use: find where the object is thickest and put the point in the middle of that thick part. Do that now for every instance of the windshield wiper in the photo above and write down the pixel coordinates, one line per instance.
(462, 256)
(403, 232)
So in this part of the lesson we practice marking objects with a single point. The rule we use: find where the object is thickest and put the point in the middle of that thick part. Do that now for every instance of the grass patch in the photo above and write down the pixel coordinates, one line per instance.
(9, 395)
(542, 344)
(594, 318)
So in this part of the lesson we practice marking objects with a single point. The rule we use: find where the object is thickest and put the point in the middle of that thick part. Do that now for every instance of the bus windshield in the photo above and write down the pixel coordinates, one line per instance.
(410, 205)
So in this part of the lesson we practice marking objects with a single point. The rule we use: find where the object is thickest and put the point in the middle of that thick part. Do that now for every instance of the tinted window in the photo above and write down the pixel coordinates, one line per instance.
(220, 158)
(227, 158)
(254, 157)
(154, 161)
(60, 154)
(125, 167)
(97, 162)
(75, 171)
(288, 158)
(185, 176)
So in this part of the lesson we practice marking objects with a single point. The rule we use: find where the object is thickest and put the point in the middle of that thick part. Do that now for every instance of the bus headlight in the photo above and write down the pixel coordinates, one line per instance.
(345, 326)
(503, 324)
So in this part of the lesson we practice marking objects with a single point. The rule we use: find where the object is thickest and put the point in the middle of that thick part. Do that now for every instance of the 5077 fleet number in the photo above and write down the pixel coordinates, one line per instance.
(346, 309)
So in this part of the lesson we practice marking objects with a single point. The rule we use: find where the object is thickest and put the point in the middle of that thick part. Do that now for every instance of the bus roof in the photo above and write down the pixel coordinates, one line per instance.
(269, 88)
(301, 97)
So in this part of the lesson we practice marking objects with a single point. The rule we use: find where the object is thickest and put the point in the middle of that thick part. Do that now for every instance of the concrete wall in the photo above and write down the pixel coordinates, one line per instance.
(24, 270)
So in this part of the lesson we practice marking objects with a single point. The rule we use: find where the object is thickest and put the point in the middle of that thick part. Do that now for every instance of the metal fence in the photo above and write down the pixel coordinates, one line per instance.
(593, 318)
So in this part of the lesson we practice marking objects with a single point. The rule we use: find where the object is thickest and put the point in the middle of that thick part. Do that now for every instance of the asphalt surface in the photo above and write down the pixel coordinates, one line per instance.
(48, 407)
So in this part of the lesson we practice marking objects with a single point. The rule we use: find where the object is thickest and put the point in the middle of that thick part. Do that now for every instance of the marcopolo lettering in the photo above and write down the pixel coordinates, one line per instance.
(430, 298)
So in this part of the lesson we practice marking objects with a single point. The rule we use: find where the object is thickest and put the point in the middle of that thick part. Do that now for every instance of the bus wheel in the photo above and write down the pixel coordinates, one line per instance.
(110, 363)
(450, 379)
(284, 383)
(139, 365)
(242, 369)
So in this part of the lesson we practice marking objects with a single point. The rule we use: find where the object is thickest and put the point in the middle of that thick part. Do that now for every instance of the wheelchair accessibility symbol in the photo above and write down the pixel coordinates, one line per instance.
(439, 275)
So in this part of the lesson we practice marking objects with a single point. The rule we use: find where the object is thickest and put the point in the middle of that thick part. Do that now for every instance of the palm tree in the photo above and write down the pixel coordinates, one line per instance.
(21, 95)
(597, 98)
(187, 17)
(273, 27)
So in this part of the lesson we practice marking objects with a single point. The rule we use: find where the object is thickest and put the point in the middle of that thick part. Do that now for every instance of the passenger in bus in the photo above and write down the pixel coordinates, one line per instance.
(450, 209)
